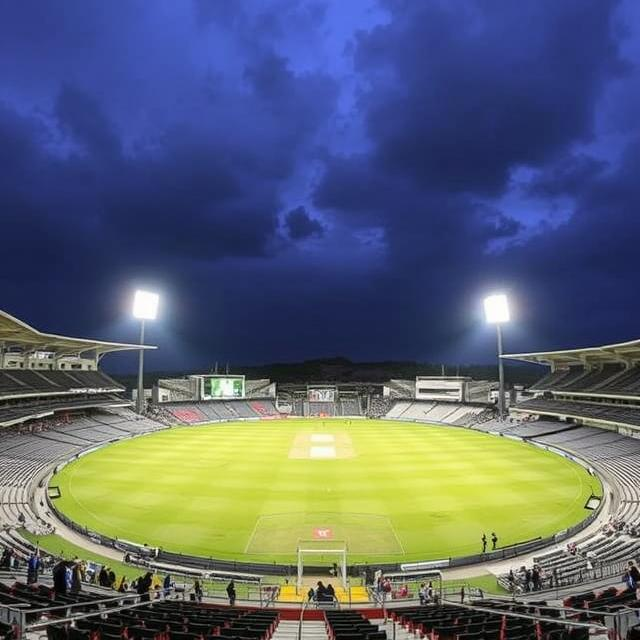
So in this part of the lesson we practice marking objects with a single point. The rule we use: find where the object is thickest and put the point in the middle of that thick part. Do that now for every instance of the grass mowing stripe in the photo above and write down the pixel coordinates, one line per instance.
(203, 490)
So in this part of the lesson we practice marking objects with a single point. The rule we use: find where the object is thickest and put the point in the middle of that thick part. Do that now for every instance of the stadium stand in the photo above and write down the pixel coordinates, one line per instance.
(32, 599)
(29, 451)
(463, 623)
(173, 620)
(217, 411)
(259, 388)
(379, 407)
(596, 411)
(453, 413)
(402, 388)
(351, 625)
(349, 407)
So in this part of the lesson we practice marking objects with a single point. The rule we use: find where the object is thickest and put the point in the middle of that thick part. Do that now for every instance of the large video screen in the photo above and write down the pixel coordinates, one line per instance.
(221, 388)
(322, 395)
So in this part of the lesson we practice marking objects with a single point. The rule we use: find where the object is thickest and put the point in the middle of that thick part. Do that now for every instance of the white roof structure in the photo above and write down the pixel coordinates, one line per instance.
(16, 333)
(622, 352)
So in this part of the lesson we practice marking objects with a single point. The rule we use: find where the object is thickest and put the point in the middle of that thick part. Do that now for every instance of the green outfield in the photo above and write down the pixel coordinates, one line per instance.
(391, 491)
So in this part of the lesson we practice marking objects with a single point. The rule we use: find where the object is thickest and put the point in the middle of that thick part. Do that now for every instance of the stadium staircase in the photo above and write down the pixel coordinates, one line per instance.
(399, 633)
(311, 630)
(352, 595)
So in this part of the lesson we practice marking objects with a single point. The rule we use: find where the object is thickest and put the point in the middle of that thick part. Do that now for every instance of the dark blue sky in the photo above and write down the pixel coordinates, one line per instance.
(312, 178)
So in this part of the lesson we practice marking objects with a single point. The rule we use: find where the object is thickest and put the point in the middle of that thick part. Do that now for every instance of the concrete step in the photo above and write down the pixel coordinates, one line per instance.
(311, 630)
(400, 632)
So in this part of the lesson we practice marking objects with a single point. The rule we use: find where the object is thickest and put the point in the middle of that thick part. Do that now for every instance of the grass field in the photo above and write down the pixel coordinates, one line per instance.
(392, 491)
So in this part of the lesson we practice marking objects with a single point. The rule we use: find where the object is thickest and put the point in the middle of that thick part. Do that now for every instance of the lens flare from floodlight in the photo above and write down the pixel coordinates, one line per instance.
(496, 309)
(145, 305)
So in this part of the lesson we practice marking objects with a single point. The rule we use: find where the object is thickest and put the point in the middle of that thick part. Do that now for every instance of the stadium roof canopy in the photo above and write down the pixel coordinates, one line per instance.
(17, 334)
(622, 352)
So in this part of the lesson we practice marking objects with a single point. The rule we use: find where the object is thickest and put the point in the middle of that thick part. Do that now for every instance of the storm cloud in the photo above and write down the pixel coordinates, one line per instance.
(308, 178)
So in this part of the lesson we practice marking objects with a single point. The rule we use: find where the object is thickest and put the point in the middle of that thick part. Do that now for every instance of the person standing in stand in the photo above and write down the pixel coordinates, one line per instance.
(231, 592)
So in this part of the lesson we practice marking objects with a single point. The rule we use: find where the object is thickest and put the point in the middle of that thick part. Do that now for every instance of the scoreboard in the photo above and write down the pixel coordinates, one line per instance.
(215, 387)
(321, 394)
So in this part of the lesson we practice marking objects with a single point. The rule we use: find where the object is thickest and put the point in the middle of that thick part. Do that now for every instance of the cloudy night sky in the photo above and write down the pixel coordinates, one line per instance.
(301, 179)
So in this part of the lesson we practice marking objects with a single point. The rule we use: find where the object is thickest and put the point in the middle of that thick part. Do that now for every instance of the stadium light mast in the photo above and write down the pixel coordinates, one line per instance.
(145, 307)
(496, 311)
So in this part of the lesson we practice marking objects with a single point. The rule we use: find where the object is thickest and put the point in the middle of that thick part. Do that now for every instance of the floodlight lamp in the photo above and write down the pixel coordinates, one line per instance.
(496, 308)
(145, 305)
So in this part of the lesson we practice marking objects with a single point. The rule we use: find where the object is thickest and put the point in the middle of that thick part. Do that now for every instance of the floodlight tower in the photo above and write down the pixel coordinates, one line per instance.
(496, 311)
(145, 307)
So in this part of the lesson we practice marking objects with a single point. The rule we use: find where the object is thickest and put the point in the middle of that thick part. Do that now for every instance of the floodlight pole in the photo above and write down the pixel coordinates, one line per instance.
(140, 397)
(501, 402)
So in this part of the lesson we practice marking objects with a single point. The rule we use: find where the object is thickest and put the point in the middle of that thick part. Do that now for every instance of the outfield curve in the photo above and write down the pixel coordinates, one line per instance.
(268, 525)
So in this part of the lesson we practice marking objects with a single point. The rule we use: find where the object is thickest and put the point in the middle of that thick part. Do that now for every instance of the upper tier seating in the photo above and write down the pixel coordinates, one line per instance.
(13, 411)
(590, 379)
(16, 382)
(611, 379)
(616, 413)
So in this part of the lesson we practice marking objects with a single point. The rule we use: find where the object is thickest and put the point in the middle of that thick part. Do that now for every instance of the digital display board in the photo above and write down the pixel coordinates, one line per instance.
(222, 387)
(322, 395)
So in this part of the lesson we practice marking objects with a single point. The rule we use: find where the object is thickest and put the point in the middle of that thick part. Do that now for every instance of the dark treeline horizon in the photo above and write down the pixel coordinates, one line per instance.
(340, 369)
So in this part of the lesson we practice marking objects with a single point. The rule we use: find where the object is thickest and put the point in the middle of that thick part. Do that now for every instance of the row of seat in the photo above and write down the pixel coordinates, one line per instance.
(26, 456)
(451, 621)
(351, 625)
(610, 379)
(216, 410)
(173, 620)
(29, 381)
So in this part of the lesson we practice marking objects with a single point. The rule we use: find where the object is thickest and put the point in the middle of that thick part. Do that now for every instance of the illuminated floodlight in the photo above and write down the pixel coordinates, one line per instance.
(496, 309)
(145, 305)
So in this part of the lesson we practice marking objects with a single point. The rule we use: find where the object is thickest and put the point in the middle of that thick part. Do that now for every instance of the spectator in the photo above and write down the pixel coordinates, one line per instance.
(535, 578)
(77, 576)
(331, 594)
(197, 590)
(60, 578)
(633, 578)
(231, 592)
(321, 592)
(6, 562)
(103, 577)
(33, 567)
(144, 586)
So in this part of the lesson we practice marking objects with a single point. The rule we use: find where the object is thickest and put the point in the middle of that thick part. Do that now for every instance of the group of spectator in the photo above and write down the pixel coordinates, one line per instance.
(322, 593)
(525, 579)
(10, 559)
(68, 576)
(426, 593)
(107, 577)
(616, 526)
